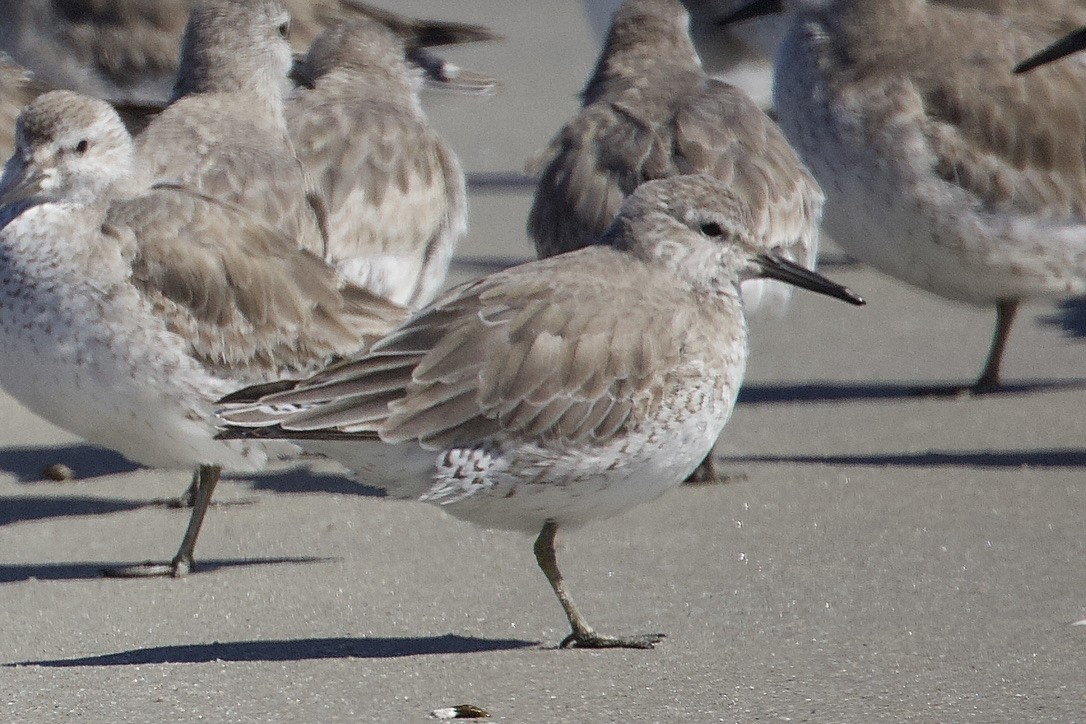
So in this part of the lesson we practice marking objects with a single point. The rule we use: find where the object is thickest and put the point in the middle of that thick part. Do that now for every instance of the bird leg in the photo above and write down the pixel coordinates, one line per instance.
(188, 498)
(704, 473)
(707, 474)
(989, 378)
(183, 562)
(582, 635)
(205, 479)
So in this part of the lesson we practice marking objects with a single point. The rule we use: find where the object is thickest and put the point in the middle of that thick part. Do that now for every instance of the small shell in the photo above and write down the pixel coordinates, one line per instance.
(461, 711)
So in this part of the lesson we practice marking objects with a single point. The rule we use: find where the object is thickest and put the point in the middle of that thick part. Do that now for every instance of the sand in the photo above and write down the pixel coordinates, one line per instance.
(878, 556)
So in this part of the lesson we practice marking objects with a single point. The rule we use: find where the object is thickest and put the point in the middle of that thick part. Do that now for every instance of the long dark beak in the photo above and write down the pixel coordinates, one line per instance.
(1066, 45)
(752, 10)
(779, 268)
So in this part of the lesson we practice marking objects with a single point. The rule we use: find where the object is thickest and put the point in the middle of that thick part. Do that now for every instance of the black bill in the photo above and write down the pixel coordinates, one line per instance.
(1066, 45)
(779, 268)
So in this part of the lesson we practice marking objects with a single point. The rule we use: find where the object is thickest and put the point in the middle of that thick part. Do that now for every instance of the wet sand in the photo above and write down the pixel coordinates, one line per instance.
(879, 556)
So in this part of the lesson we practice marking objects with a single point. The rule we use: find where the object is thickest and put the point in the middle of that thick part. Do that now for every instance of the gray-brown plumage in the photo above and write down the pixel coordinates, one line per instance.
(128, 49)
(129, 309)
(393, 191)
(17, 88)
(1068, 44)
(651, 112)
(558, 392)
(224, 133)
(741, 55)
(943, 169)
(246, 300)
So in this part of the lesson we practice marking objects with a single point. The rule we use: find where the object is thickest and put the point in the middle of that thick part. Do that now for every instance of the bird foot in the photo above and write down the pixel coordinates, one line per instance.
(593, 640)
(961, 392)
(177, 568)
(187, 501)
(706, 474)
(700, 477)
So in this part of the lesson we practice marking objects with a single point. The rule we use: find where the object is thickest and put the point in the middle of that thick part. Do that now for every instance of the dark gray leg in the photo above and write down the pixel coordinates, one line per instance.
(989, 378)
(582, 635)
(183, 562)
(205, 480)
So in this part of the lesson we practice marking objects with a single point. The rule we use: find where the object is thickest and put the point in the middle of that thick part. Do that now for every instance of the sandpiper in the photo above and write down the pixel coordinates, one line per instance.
(942, 168)
(392, 189)
(741, 55)
(126, 310)
(126, 50)
(224, 133)
(649, 112)
(557, 392)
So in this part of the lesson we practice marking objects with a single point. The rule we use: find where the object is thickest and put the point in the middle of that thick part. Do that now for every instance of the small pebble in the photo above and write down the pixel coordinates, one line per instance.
(58, 472)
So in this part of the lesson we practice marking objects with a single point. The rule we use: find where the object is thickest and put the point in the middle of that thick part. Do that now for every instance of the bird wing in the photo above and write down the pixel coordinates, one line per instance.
(609, 149)
(514, 353)
(391, 186)
(243, 294)
(1014, 144)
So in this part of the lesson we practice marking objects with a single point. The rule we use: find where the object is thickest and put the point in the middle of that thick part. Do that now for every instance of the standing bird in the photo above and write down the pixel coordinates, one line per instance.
(127, 310)
(393, 191)
(126, 50)
(942, 168)
(557, 392)
(741, 55)
(224, 133)
(649, 112)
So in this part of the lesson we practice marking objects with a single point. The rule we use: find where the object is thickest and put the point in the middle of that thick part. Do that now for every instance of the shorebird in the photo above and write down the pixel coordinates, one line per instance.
(127, 310)
(393, 191)
(942, 169)
(649, 111)
(224, 133)
(740, 55)
(127, 49)
(557, 392)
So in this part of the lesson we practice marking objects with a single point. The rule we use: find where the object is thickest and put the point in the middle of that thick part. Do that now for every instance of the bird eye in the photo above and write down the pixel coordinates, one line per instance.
(712, 229)
(82, 146)
(284, 29)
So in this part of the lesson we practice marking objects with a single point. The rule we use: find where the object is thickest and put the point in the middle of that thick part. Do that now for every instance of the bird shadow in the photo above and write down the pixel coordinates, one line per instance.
(384, 647)
(21, 508)
(302, 480)
(86, 461)
(1069, 317)
(73, 571)
(776, 394)
(1003, 459)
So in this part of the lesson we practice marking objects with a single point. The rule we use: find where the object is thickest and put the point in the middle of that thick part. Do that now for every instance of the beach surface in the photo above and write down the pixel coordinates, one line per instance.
(876, 556)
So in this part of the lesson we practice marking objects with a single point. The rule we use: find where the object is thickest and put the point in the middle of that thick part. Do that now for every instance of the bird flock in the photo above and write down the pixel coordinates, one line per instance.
(222, 249)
